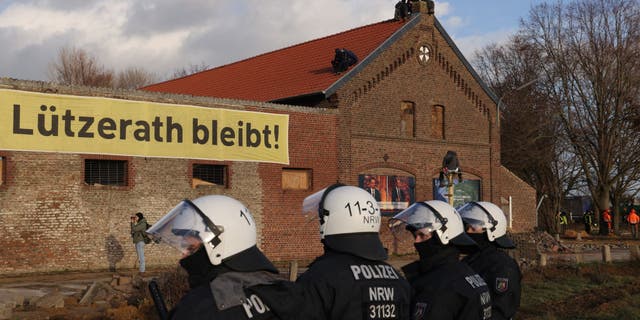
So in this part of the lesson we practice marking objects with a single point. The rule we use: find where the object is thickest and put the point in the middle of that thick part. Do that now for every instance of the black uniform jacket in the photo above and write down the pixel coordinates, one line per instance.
(502, 275)
(446, 288)
(225, 298)
(340, 286)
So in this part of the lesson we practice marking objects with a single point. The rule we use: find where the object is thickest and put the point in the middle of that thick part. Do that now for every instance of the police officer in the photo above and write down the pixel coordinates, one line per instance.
(351, 280)
(217, 238)
(444, 287)
(486, 224)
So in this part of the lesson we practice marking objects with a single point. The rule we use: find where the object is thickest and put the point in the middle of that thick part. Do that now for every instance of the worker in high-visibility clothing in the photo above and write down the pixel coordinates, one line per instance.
(633, 220)
(606, 217)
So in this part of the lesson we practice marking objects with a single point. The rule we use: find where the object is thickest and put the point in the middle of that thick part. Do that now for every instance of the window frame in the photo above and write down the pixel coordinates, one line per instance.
(404, 107)
(204, 183)
(290, 187)
(126, 179)
(441, 133)
(3, 170)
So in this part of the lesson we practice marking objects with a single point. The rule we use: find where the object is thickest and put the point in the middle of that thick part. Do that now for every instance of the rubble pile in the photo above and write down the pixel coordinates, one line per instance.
(124, 297)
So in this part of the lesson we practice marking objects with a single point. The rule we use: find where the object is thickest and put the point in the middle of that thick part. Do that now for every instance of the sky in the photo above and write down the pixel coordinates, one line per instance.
(162, 36)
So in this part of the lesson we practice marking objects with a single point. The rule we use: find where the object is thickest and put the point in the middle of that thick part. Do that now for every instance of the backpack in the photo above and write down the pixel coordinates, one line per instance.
(145, 236)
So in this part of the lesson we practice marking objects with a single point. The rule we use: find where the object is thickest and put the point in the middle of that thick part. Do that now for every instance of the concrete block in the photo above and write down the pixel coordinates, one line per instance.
(6, 310)
(54, 299)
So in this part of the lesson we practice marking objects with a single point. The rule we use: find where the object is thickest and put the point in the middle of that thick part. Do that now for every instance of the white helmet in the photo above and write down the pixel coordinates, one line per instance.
(223, 224)
(490, 217)
(434, 216)
(349, 220)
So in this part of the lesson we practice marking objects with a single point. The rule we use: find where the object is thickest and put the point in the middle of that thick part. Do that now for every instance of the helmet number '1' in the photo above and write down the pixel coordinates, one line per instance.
(369, 208)
(244, 215)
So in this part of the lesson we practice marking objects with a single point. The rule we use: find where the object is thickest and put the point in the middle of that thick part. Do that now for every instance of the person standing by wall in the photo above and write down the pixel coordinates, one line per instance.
(138, 227)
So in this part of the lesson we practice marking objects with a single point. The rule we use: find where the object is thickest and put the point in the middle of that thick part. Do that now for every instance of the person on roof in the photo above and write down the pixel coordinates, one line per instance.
(342, 60)
(402, 10)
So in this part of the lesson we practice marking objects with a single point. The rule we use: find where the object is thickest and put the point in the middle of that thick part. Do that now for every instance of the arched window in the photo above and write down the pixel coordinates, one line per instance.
(407, 119)
(437, 122)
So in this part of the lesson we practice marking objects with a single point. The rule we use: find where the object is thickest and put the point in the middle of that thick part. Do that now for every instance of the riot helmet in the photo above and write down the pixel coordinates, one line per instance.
(349, 220)
(489, 217)
(222, 225)
(431, 216)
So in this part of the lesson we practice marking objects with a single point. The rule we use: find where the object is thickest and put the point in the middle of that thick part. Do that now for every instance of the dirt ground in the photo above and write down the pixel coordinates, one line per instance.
(557, 291)
(587, 291)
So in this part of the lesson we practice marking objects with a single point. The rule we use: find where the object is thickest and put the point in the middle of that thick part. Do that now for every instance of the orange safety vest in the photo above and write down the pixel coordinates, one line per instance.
(606, 217)
(633, 218)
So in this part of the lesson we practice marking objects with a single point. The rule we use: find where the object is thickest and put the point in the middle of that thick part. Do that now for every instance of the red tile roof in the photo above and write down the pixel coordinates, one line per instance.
(293, 71)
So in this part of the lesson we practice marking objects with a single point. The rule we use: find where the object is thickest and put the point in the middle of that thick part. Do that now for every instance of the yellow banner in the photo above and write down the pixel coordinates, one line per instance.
(32, 121)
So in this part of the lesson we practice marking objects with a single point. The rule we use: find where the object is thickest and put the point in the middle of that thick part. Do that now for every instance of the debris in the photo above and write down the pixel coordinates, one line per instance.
(54, 299)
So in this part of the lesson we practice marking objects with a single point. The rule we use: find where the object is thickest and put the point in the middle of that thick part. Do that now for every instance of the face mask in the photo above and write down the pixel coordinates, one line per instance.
(480, 238)
(198, 267)
(427, 249)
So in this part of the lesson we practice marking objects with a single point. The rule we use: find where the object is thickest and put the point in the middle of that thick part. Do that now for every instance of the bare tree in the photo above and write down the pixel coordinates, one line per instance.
(591, 55)
(75, 66)
(191, 69)
(532, 146)
(134, 78)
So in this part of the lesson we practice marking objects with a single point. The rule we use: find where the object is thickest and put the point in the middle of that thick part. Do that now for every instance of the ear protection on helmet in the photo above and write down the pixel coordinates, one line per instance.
(433, 216)
(322, 212)
(493, 222)
(489, 217)
(212, 227)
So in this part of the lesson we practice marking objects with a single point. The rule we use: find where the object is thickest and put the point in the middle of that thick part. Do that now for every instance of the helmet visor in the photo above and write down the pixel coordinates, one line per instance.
(185, 228)
(311, 204)
(416, 217)
(473, 215)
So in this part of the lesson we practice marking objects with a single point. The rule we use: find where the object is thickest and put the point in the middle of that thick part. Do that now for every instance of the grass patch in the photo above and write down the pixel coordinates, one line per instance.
(586, 291)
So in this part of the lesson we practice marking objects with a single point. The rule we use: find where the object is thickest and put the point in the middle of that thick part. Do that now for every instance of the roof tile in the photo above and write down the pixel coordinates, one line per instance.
(297, 70)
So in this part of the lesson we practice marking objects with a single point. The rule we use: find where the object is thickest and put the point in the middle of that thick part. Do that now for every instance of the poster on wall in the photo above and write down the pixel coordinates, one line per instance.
(463, 192)
(393, 193)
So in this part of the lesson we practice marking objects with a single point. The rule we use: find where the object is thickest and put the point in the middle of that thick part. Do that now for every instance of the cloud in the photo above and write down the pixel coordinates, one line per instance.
(455, 22)
(442, 9)
(164, 35)
(472, 43)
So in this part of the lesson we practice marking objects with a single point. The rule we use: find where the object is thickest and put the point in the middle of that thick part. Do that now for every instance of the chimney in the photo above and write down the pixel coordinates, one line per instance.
(422, 6)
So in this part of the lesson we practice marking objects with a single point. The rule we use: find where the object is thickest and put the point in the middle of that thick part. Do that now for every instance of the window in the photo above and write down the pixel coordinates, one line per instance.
(2, 166)
(208, 175)
(437, 122)
(407, 119)
(296, 179)
(105, 172)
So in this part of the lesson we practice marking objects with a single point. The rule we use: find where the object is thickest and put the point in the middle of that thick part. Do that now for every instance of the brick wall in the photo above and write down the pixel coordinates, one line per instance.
(371, 140)
(53, 221)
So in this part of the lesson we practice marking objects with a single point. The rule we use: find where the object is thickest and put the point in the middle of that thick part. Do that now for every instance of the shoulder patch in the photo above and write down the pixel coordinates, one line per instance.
(421, 310)
(502, 284)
